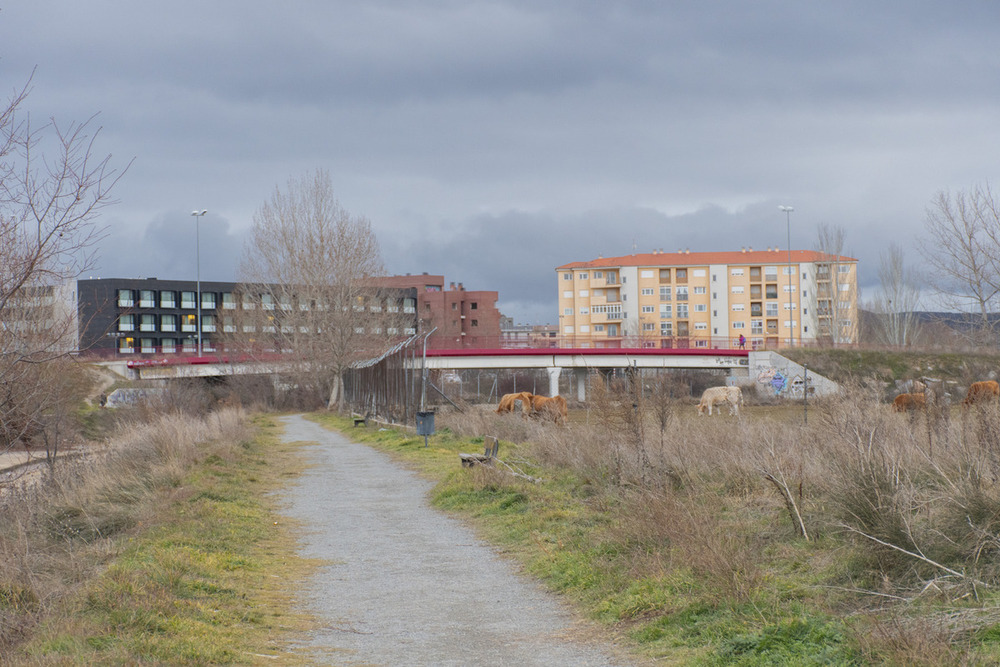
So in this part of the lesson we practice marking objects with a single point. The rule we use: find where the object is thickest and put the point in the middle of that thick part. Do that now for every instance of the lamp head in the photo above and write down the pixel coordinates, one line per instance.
(786, 209)
(199, 213)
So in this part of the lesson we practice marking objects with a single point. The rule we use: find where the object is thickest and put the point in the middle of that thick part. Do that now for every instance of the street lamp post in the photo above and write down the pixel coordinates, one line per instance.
(791, 315)
(197, 260)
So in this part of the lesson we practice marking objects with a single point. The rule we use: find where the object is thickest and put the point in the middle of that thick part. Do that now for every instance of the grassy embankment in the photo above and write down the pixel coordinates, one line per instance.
(166, 550)
(863, 537)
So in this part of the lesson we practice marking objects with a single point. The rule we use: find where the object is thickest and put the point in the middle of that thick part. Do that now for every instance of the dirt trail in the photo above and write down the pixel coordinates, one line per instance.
(407, 585)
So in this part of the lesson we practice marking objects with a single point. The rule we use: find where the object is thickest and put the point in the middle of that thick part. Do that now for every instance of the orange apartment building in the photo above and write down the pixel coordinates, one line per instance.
(464, 319)
(708, 299)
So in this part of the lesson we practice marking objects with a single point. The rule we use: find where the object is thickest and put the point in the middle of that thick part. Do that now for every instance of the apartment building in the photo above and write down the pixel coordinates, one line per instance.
(772, 297)
(463, 318)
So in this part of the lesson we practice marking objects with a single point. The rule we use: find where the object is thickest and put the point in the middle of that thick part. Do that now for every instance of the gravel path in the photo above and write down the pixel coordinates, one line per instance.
(408, 585)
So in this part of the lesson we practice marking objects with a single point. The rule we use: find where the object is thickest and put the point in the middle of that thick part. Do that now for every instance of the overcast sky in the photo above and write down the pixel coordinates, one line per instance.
(493, 141)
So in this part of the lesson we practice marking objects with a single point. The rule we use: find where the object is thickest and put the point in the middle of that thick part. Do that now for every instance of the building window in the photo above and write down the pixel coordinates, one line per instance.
(585, 311)
(647, 309)
(598, 327)
(612, 277)
(665, 293)
(147, 322)
(228, 326)
(648, 326)
(598, 274)
(168, 345)
(567, 311)
(701, 326)
(454, 306)
(147, 298)
(582, 276)
(682, 293)
(208, 322)
(756, 326)
(475, 305)
(682, 310)
(568, 329)
(698, 273)
(665, 311)
(844, 268)
(126, 345)
(736, 272)
(770, 273)
(699, 290)
(585, 329)
(187, 300)
(168, 323)
(168, 299)
(666, 328)
(567, 276)
(189, 345)
(646, 273)
(739, 307)
(228, 301)
(475, 323)
(647, 291)
(584, 293)
(700, 307)
(188, 323)
(737, 289)
(147, 345)
(771, 309)
(126, 322)
(568, 294)
(267, 302)
(739, 325)
(247, 302)
(125, 298)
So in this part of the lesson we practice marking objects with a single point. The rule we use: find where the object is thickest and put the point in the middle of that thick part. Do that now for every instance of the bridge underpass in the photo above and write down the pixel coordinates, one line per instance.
(581, 361)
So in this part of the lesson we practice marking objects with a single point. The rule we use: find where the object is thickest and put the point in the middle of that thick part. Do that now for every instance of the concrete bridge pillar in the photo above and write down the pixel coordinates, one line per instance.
(581, 383)
(554, 380)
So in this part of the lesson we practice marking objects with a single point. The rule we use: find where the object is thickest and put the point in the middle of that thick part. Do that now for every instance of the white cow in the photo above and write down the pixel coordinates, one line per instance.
(717, 396)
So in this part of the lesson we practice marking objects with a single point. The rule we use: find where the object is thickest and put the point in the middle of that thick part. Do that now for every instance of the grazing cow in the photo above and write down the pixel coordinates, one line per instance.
(718, 396)
(982, 392)
(553, 408)
(909, 402)
(507, 402)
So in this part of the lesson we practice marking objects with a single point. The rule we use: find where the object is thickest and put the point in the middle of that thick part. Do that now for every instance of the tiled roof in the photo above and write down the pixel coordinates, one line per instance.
(735, 257)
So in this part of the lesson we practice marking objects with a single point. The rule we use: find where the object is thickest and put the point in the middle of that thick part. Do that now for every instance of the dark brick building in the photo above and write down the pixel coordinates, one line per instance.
(464, 319)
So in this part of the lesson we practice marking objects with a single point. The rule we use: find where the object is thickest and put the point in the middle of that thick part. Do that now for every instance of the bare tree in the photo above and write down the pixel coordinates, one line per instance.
(897, 300)
(836, 293)
(52, 189)
(962, 249)
(308, 270)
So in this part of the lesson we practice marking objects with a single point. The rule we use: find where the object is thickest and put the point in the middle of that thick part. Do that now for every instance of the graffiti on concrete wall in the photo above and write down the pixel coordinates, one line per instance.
(778, 382)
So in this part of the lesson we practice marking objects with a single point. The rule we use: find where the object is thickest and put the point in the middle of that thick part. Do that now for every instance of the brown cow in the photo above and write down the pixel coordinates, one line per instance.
(507, 402)
(982, 392)
(553, 408)
(909, 402)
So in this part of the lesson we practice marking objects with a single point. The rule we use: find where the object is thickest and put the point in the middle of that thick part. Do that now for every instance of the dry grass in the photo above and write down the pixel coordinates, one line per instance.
(911, 503)
(57, 531)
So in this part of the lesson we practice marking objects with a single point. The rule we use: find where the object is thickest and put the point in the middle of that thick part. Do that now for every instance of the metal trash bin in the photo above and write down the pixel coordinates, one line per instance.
(425, 424)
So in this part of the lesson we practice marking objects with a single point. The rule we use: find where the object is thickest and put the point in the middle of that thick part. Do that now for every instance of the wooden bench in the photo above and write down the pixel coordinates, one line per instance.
(361, 419)
(492, 447)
